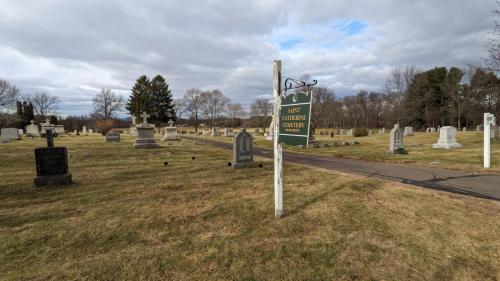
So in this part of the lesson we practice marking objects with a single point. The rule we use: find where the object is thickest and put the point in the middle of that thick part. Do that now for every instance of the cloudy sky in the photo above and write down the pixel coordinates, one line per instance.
(72, 49)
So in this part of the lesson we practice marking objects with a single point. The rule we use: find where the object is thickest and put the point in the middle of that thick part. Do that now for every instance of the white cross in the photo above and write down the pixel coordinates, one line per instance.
(171, 122)
(145, 116)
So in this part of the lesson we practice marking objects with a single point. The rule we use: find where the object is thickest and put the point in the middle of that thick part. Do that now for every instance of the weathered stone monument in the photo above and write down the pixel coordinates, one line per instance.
(133, 129)
(8, 134)
(447, 138)
(350, 132)
(242, 150)
(215, 131)
(84, 131)
(145, 134)
(408, 131)
(32, 130)
(59, 129)
(228, 132)
(47, 126)
(170, 132)
(112, 136)
(51, 164)
(91, 131)
(396, 140)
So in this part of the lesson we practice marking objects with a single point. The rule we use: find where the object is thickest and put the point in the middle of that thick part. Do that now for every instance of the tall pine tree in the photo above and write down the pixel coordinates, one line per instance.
(162, 101)
(140, 99)
(153, 97)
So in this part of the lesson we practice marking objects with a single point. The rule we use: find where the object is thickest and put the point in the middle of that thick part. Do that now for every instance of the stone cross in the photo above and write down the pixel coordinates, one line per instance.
(170, 122)
(47, 120)
(50, 138)
(32, 122)
(145, 117)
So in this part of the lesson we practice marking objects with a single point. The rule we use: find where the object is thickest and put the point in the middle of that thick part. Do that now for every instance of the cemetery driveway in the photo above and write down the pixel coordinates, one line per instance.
(461, 182)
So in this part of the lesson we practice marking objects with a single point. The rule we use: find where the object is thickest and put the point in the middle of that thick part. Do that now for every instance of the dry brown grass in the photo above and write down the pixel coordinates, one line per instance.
(129, 217)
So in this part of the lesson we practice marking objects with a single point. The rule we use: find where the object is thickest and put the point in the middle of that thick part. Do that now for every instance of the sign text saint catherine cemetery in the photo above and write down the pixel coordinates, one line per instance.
(295, 118)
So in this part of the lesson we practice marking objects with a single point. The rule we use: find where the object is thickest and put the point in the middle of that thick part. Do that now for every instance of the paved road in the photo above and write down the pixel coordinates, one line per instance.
(478, 185)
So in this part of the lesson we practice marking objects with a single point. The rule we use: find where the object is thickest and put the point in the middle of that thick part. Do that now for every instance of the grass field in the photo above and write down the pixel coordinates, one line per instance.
(130, 217)
(419, 146)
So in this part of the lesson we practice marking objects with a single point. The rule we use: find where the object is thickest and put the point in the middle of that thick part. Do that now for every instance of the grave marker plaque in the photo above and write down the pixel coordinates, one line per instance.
(51, 164)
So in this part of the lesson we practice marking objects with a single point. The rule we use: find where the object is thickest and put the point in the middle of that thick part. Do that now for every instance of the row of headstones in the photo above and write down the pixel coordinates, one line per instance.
(447, 139)
(32, 130)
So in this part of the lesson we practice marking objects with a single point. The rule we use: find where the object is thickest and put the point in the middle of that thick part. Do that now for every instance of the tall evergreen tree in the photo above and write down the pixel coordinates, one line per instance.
(162, 107)
(140, 99)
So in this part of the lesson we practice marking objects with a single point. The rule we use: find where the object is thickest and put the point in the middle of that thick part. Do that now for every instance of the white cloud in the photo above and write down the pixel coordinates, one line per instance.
(73, 48)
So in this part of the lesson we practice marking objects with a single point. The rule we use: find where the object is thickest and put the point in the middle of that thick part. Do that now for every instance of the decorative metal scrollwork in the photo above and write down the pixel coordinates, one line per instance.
(291, 84)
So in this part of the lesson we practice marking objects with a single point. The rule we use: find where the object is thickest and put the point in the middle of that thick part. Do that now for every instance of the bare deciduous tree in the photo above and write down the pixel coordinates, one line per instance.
(43, 104)
(8, 93)
(180, 106)
(213, 105)
(234, 110)
(193, 100)
(398, 85)
(262, 109)
(107, 104)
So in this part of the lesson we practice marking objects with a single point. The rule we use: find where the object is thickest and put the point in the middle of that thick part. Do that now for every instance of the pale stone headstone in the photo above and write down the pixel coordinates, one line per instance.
(47, 126)
(349, 133)
(170, 132)
(32, 130)
(493, 131)
(341, 131)
(447, 138)
(145, 134)
(21, 132)
(84, 130)
(59, 129)
(215, 131)
(228, 132)
(242, 149)
(91, 131)
(112, 137)
(10, 134)
(270, 135)
(408, 131)
(464, 129)
(75, 132)
(396, 140)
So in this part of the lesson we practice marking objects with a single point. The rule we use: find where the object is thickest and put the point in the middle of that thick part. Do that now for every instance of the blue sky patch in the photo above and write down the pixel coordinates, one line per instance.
(351, 27)
(290, 43)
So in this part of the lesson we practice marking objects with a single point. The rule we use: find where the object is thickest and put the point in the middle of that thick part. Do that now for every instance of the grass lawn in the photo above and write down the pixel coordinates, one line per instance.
(419, 146)
(130, 217)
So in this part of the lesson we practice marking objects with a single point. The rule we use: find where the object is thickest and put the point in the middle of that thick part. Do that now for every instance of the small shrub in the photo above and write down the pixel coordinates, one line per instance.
(360, 132)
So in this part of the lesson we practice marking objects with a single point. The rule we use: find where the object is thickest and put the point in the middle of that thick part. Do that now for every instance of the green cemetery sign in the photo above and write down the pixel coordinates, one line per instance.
(295, 119)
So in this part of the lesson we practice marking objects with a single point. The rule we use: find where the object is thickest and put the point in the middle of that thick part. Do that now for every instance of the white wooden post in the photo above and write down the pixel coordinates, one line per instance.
(489, 119)
(278, 152)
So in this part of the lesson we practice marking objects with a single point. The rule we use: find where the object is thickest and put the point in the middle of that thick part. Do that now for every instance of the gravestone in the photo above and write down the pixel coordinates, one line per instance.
(408, 131)
(170, 132)
(84, 130)
(447, 138)
(396, 140)
(341, 131)
(215, 131)
(46, 127)
(228, 132)
(59, 129)
(145, 134)
(10, 134)
(91, 131)
(112, 136)
(464, 129)
(242, 150)
(21, 132)
(349, 133)
(51, 164)
(32, 130)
